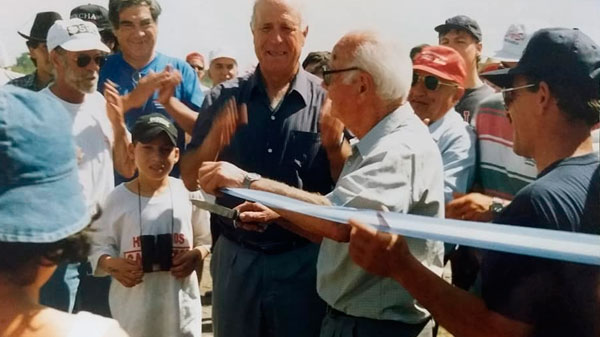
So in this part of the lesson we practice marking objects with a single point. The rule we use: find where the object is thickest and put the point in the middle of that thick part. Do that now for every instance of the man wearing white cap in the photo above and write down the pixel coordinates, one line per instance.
(223, 66)
(77, 52)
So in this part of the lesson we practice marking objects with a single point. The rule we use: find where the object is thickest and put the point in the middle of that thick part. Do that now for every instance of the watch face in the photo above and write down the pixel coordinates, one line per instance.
(496, 207)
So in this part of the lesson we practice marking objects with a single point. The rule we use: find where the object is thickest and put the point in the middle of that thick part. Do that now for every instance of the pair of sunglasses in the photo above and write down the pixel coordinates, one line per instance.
(83, 60)
(508, 94)
(431, 82)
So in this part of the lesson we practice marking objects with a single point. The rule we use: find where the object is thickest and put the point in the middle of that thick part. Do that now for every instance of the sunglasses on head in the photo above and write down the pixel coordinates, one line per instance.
(508, 94)
(431, 82)
(83, 60)
(328, 72)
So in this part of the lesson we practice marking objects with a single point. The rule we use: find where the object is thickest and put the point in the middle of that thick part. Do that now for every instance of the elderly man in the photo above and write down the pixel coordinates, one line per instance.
(149, 81)
(76, 53)
(264, 282)
(553, 99)
(38, 52)
(223, 66)
(463, 34)
(438, 84)
(394, 166)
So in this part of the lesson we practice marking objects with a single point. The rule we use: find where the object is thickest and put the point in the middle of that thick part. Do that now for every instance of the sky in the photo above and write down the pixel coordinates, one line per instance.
(205, 25)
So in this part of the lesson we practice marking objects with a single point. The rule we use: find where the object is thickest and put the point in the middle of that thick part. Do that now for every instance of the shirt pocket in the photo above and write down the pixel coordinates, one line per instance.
(302, 148)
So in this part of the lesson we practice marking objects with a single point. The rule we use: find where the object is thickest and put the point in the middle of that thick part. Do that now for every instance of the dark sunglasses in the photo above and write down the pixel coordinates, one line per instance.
(431, 82)
(83, 60)
(197, 67)
(508, 94)
(327, 72)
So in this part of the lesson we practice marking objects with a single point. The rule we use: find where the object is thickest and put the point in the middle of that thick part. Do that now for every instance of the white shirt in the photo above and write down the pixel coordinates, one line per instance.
(161, 305)
(94, 140)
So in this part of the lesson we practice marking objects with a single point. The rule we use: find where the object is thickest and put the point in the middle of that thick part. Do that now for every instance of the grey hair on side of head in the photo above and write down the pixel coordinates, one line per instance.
(388, 64)
(297, 6)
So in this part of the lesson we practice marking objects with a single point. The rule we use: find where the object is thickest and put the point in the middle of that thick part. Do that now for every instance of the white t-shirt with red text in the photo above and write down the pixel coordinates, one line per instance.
(161, 305)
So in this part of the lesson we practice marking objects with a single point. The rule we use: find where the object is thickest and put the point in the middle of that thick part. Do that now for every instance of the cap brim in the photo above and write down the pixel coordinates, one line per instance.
(152, 133)
(84, 44)
(504, 56)
(449, 26)
(435, 72)
(502, 78)
(30, 37)
(45, 212)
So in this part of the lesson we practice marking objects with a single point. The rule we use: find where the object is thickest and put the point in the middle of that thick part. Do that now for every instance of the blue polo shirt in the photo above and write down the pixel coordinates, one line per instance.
(282, 144)
(126, 77)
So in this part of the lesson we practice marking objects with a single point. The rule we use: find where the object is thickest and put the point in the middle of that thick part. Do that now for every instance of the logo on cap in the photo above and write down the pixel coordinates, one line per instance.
(159, 120)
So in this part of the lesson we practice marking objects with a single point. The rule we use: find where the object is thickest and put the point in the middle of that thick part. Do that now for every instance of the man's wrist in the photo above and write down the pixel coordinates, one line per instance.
(249, 178)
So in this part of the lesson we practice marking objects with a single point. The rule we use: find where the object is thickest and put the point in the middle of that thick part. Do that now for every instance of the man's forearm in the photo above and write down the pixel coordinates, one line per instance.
(458, 311)
(307, 226)
(123, 163)
(193, 159)
(183, 115)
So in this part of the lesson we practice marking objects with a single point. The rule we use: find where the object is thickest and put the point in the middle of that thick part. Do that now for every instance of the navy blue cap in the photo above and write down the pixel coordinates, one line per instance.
(560, 54)
(461, 22)
(41, 199)
(149, 126)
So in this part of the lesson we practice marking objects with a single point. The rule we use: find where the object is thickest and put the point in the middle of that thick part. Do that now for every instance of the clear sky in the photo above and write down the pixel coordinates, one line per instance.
(203, 25)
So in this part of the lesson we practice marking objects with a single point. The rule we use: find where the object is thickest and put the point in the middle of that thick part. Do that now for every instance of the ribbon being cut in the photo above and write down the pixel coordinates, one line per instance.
(546, 243)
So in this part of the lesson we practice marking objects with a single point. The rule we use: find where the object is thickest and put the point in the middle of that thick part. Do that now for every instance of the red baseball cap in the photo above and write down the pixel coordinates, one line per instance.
(193, 56)
(443, 62)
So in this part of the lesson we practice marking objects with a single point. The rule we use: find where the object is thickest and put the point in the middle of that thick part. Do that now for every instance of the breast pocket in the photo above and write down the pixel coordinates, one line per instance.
(302, 148)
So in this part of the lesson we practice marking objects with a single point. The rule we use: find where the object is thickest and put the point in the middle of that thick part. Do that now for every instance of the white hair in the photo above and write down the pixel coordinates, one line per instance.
(389, 65)
(297, 6)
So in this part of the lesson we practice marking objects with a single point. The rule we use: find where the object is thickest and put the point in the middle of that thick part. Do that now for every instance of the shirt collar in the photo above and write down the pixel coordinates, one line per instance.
(385, 126)
(436, 128)
(299, 83)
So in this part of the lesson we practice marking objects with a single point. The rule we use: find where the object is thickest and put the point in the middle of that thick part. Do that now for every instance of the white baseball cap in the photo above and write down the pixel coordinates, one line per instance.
(222, 53)
(75, 35)
(515, 40)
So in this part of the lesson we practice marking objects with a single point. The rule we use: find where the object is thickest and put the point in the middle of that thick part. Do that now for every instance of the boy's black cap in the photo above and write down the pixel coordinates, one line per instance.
(461, 22)
(561, 54)
(149, 126)
(95, 14)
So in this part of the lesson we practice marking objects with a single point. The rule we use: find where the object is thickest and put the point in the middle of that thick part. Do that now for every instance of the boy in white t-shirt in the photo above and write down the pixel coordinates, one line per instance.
(150, 238)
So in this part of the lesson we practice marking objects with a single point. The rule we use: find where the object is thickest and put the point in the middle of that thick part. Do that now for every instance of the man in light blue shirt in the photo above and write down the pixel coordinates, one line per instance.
(438, 84)
(394, 166)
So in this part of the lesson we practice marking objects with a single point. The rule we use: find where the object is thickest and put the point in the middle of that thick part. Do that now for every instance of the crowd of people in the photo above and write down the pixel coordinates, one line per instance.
(109, 219)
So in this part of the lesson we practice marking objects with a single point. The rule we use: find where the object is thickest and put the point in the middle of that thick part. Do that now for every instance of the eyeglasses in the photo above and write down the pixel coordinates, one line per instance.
(327, 72)
(509, 93)
(83, 60)
(197, 67)
(431, 82)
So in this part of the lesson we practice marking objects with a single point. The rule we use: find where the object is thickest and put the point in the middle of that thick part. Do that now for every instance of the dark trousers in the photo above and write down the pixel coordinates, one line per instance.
(260, 295)
(338, 324)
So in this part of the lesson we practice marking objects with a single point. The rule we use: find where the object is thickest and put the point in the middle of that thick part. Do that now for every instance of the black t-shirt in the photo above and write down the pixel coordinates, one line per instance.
(557, 298)
(470, 101)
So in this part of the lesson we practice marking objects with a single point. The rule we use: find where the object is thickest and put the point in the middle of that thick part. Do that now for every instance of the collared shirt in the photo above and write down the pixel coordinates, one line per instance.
(395, 167)
(456, 141)
(282, 144)
(27, 82)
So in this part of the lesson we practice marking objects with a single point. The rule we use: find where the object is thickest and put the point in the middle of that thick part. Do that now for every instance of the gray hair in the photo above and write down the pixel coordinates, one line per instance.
(296, 6)
(115, 7)
(387, 63)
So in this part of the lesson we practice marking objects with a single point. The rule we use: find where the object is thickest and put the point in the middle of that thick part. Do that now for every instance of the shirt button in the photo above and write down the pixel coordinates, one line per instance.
(272, 117)
(270, 150)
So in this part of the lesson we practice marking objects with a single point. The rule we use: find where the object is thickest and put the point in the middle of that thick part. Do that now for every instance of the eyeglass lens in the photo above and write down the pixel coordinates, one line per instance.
(84, 60)
(431, 82)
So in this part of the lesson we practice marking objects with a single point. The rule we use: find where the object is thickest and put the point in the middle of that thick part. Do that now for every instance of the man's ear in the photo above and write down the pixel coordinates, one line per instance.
(176, 149)
(544, 98)
(458, 94)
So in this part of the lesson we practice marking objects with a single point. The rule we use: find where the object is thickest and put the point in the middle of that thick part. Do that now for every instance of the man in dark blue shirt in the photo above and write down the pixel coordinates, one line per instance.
(553, 100)
(267, 122)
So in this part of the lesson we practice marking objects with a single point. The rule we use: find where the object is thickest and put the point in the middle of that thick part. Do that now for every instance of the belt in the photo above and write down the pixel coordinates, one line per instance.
(267, 248)
(334, 313)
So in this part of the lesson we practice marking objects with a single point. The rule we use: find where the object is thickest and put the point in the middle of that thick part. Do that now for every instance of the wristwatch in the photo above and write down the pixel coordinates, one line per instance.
(496, 207)
(249, 178)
